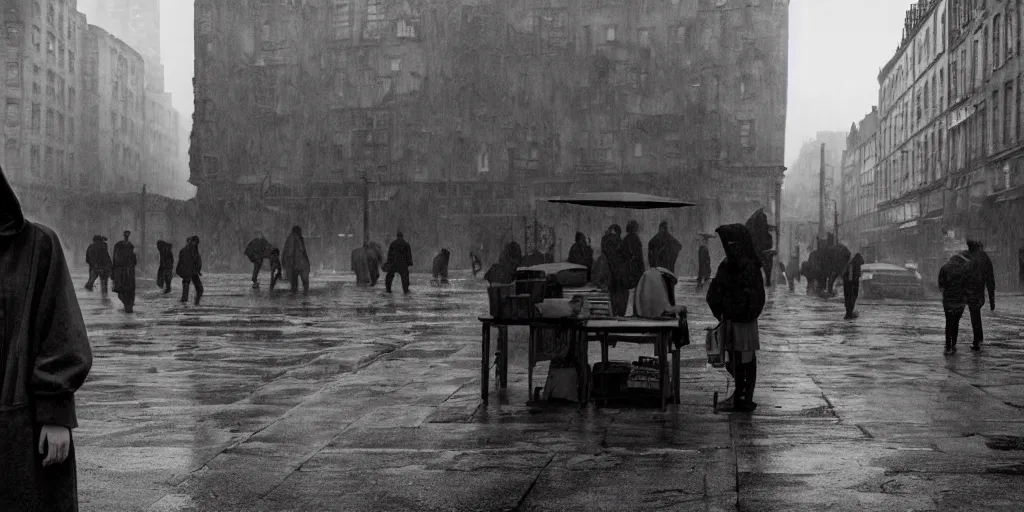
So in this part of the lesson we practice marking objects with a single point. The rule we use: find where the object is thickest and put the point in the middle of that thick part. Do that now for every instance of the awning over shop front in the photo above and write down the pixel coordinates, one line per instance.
(909, 225)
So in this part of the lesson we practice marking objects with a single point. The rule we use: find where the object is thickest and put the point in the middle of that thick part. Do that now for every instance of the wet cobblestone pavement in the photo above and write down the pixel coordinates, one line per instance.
(350, 399)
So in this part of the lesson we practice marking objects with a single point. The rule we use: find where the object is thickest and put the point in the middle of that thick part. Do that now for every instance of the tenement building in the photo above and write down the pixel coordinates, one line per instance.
(458, 118)
(857, 213)
(42, 116)
(912, 143)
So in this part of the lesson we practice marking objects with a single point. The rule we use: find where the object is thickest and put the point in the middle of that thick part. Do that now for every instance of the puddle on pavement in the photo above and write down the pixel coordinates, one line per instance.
(1005, 443)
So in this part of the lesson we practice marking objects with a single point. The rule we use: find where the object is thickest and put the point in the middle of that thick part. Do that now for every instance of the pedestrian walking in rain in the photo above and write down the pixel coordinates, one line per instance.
(257, 250)
(275, 266)
(703, 265)
(736, 297)
(165, 274)
(952, 282)
(851, 284)
(98, 259)
(615, 268)
(663, 249)
(399, 261)
(296, 261)
(45, 361)
(582, 254)
(504, 271)
(633, 258)
(124, 272)
(981, 278)
(439, 268)
(190, 269)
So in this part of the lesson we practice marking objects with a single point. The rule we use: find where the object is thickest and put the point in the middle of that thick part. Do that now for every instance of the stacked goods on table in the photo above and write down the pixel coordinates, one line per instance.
(644, 376)
(506, 304)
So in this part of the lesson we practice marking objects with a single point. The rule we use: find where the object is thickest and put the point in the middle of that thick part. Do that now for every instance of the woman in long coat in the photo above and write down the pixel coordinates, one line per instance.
(736, 297)
(295, 260)
(124, 272)
(46, 358)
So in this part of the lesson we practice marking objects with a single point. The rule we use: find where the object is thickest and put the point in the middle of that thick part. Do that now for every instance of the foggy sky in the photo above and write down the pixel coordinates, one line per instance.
(836, 49)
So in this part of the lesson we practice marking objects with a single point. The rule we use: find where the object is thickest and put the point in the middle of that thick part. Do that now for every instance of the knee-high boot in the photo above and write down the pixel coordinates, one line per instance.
(751, 380)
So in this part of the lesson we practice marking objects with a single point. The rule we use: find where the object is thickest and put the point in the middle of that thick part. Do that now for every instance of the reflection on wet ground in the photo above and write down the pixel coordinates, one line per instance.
(351, 399)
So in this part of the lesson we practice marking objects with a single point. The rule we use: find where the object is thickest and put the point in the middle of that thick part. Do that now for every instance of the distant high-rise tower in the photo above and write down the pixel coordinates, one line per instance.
(136, 22)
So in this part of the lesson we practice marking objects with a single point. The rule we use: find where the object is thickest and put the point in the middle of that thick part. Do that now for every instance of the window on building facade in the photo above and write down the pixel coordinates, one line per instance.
(50, 121)
(71, 61)
(997, 48)
(1007, 113)
(14, 73)
(747, 134)
(61, 129)
(995, 123)
(60, 91)
(72, 97)
(36, 117)
(984, 56)
(13, 32)
(974, 66)
(60, 55)
(48, 163)
(13, 112)
(37, 39)
(35, 160)
(644, 37)
(1009, 33)
(51, 47)
(609, 33)
(71, 130)
(51, 13)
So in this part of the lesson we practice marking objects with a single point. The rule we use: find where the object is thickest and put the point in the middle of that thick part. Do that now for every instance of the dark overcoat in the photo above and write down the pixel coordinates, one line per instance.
(45, 357)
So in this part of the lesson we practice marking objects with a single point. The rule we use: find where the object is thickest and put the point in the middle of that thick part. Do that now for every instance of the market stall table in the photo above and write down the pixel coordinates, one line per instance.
(659, 333)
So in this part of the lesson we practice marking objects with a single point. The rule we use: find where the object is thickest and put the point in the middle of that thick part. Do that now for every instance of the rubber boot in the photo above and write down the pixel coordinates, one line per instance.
(750, 381)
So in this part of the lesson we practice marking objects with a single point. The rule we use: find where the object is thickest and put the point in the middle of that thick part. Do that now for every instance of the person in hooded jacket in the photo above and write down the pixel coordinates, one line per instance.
(979, 279)
(736, 297)
(98, 259)
(439, 267)
(399, 261)
(582, 254)
(165, 274)
(663, 249)
(703, 265)
(504, 271)
(296, 261)
(613, 270)
(475, 263)
(46, 358)
(124, 272)
(633, 258)
(952, 282)
(190, 269)
(851, 284)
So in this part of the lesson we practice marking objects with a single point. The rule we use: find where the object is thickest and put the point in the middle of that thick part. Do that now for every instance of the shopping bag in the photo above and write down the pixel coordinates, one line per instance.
(713, 345)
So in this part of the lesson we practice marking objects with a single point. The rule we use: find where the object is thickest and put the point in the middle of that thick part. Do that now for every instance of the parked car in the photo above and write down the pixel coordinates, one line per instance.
(885, 280)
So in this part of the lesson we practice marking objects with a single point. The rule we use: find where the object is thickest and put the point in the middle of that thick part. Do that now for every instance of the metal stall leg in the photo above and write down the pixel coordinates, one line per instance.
(485, 350)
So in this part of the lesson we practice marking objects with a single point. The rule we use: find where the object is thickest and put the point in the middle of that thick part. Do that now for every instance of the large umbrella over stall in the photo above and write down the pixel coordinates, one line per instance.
(630, 200)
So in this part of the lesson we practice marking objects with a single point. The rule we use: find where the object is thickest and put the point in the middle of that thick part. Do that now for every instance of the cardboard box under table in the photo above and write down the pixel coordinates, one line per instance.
(549, 337)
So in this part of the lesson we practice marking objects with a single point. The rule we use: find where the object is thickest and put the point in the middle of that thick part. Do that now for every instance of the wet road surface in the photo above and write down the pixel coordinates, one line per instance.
(354, 400)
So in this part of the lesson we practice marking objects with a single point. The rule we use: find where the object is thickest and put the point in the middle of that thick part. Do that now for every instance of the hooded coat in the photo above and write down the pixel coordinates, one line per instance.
(953, 278)
(294, 256)
(504, 271)
(45, 357)
(190, 263)
(440, 264)
(737, 291)
(703, 262)
(613, 267)
(98, 256)
(581, 253)
(399, 256)
(633, 259)
(981, 277)
(663, 251)
(166, 255)
(124, 267)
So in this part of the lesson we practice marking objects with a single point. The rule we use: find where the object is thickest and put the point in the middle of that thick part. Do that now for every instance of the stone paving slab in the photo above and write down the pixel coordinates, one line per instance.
(353, 400)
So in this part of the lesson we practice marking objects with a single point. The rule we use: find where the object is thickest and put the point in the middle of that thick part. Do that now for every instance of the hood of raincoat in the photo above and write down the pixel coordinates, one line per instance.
(12, 220)
(738, 233)
(512, 255)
